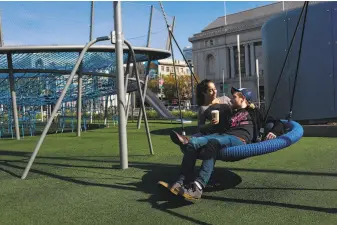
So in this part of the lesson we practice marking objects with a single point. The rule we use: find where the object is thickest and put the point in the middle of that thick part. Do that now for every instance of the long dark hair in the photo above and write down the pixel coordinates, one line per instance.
(202, 88)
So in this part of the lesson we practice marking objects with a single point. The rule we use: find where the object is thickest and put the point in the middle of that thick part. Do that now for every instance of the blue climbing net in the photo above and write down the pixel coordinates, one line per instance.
(39, 78)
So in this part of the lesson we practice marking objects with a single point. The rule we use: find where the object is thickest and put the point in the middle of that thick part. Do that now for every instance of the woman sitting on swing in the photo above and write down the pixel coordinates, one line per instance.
(208, 147)
(207, 101)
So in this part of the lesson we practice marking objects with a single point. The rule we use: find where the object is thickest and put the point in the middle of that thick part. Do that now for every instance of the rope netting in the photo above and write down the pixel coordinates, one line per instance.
(41, 88)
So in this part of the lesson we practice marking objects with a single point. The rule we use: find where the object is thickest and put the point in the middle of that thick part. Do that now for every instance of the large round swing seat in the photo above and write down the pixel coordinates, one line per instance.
(237, 153)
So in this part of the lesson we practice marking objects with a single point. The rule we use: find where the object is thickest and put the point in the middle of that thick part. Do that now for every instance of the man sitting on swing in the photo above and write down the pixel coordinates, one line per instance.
(208, 147)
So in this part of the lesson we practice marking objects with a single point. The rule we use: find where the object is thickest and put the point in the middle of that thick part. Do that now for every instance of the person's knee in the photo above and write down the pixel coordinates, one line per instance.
(192, 144)
(210, 150)
(190, 147)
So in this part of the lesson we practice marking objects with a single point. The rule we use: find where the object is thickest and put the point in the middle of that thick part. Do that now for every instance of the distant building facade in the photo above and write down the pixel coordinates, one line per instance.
(215, 52)
(165, 67)
(188, 53)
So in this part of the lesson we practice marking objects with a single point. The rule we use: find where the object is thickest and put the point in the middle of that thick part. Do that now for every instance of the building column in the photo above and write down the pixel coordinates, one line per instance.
(227, 63)
(247, 60)
(232, 61)
(252, 59)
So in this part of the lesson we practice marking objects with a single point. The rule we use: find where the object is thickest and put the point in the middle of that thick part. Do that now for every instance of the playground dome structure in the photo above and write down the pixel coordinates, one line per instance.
(57, 77)
(39, 74)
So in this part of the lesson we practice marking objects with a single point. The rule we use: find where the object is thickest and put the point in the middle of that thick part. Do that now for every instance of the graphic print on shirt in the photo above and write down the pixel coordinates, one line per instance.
(240, 118)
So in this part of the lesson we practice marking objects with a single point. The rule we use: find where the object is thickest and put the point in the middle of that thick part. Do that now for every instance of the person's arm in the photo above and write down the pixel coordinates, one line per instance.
(202, 126)
(202, 120)
(278, 128)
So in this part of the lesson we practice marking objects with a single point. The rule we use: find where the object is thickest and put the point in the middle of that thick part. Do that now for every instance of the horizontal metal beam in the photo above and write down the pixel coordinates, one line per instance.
(61, 72)
(156, 53)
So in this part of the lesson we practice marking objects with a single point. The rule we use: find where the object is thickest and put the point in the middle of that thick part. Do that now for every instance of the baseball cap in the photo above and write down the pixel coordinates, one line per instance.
(245, 92)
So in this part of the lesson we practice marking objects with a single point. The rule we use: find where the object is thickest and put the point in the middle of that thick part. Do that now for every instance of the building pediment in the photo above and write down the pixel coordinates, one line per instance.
(246, 20)
(249, 24)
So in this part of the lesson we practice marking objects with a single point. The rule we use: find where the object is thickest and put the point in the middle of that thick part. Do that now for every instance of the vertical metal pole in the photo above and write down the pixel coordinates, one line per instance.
(91, 109)
(161, 89)
(258, 82)
(47, 114)
(79, 101)
(106, 102)
(91, 20)
(1, 33)
(13, 95)
(225, 13)
(41, 113)
(140, 116)
(128, 107)
(92, 11)
(239, 59)
(150, 26)
(127, 71)
(176, 86)
(49, 108)
(120, 86)
(168, 42)
(141, 97)
(133, 104)
(192, 90)
(223, 82)
(282, 5)
(127, 74)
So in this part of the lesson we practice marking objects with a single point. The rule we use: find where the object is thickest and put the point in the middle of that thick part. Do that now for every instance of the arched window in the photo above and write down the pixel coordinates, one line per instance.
(210, 61)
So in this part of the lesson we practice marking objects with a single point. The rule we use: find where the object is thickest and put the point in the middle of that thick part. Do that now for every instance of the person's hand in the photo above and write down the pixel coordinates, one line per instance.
(214, 122)
(270, 136)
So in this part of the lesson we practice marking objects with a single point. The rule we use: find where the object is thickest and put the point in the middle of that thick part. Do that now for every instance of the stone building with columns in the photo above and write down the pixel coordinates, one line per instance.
(215, 52)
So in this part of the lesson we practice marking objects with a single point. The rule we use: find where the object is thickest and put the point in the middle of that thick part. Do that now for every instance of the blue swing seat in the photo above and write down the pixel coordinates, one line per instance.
(237, 153)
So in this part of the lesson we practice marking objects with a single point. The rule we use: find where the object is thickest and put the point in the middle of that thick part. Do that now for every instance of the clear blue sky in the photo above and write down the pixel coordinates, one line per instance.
(44, 23)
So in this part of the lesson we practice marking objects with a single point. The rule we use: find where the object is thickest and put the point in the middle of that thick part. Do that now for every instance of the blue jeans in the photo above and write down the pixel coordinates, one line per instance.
(224, 140)
(207, 166)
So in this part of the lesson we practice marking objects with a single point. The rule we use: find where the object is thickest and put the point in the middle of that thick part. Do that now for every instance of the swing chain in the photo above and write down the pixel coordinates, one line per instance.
(289, 116)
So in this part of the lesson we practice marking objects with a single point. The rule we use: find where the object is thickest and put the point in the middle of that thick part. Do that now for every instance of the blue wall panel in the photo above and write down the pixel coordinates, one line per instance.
(315, 94)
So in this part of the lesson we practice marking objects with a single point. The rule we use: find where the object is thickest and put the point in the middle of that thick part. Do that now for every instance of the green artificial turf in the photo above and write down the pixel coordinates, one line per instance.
(78, 181)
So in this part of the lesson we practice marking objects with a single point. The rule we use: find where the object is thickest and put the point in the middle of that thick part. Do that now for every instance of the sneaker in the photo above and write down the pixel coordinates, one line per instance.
(178, 139)
(176, 188)
(193, 192)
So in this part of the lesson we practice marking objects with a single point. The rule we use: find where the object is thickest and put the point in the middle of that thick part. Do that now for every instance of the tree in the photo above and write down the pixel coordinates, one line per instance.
(184, 86)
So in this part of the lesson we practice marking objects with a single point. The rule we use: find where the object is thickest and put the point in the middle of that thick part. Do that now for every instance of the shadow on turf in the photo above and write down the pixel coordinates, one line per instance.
(156, 172)
(115, 159)
(148, 184)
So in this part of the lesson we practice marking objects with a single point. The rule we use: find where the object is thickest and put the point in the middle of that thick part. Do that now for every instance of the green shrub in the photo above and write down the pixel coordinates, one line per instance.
(190, 114)
(38, 116)
(186, 114)
(152, 114)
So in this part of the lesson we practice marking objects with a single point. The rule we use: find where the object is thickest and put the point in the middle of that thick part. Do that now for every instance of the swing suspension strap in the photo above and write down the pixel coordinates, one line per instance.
(305, 10)
(298, 63)
(171, 36)
(175, 41)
